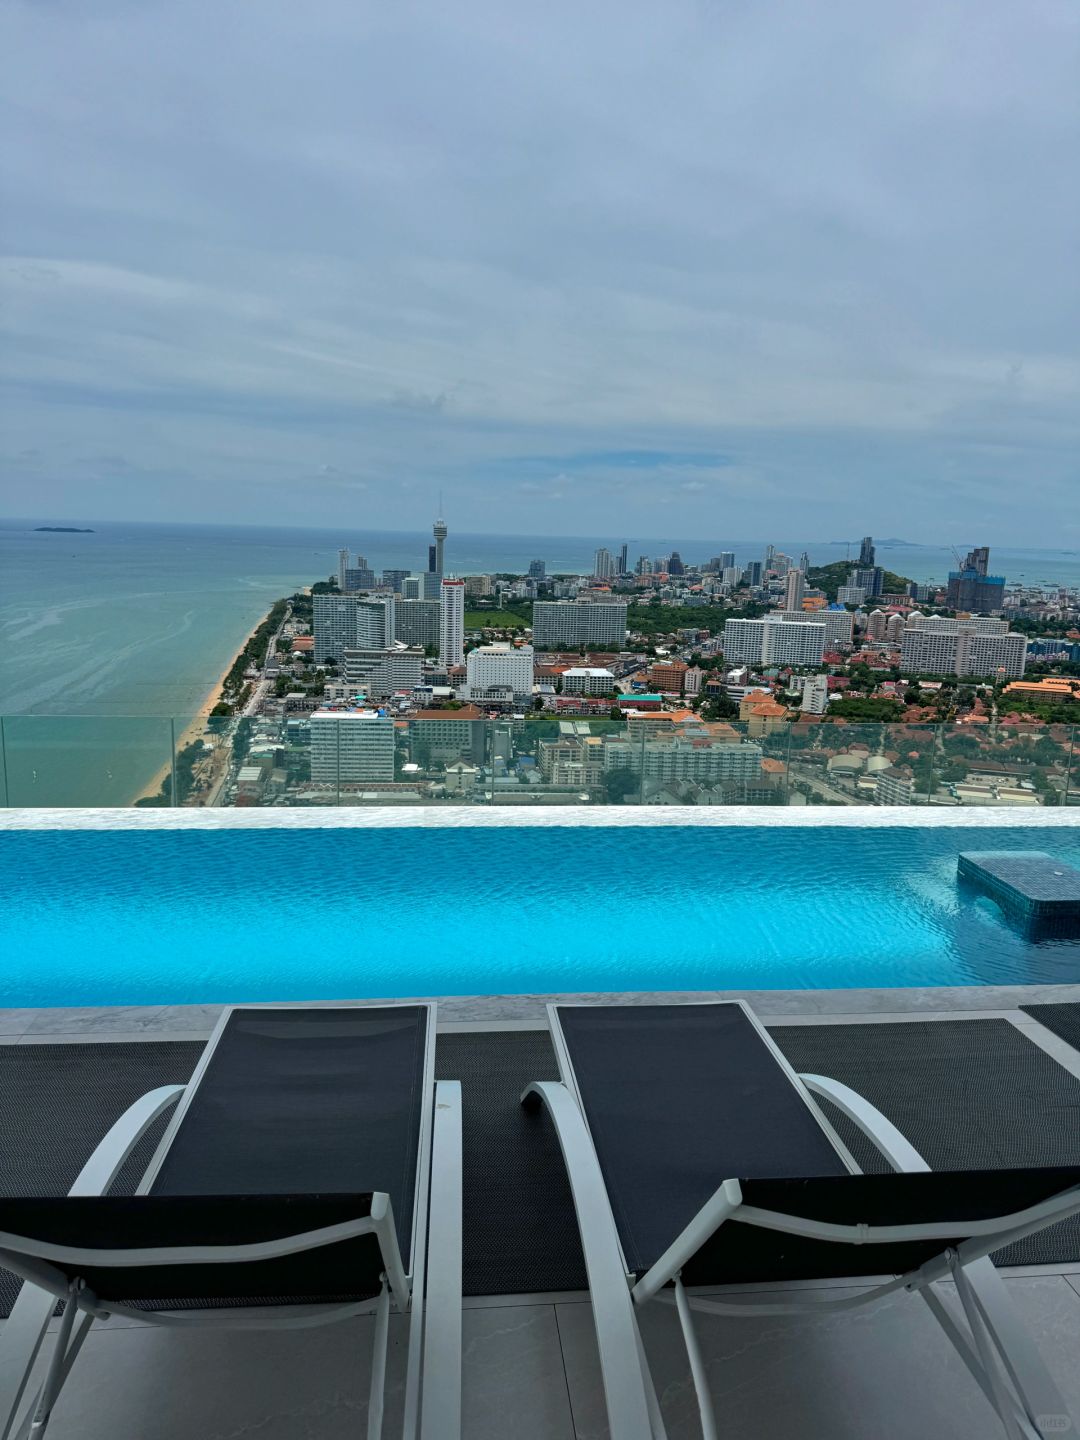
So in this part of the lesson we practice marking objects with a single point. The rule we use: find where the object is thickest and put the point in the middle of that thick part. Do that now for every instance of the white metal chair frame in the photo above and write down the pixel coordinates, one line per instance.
(987, 1333)
(431, 1294)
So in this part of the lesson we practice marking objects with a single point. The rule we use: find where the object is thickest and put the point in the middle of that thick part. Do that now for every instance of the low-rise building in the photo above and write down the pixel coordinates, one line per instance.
(587, 680)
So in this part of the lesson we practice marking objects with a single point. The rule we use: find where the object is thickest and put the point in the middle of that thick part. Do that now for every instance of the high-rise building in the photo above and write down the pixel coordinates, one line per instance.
(500, 667)
(971, 588)
(794, 590)
(979, 624)
(432, 560)
(773, 642)
(537, 570)
(374, 622)
(875, 624)
(620, 568)
(416, 622)
(815, 695)
(578, 622)
(725, 560)
(379, 672)
(359, 577)
(351, 746)
(866, 553)
(342, 566)
(752, 573)
(346, 621)
(452, 622)
(643, 566)
(964, 650)
(804, 562)
(770, 555)
(850, 595)
(395, 579)
(839, 624)
(675, 565)
(603, 565)
(894, 629)
(412, 587)
(871, 579)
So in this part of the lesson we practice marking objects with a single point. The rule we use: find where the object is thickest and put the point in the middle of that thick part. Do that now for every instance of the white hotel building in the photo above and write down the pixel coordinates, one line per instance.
(500, 667)
(351, 746)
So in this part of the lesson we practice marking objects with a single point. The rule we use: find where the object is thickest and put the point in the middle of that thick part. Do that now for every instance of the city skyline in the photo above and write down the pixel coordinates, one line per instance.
(691, 267)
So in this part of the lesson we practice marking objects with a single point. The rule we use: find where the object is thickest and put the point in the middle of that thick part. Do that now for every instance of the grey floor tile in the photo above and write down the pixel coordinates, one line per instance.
(513, 1382)
(307, 1385)
(177, 1385)
(885, 1373)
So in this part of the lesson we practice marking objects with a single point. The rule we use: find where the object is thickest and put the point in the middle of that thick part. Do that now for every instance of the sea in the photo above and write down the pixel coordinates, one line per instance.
(112, 640)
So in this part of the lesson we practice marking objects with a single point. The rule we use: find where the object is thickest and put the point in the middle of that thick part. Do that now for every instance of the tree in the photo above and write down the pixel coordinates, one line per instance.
(619, 784)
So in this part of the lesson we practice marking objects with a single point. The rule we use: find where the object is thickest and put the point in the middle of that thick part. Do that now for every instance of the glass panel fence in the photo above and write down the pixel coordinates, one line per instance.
(85, 760)
(453, 757)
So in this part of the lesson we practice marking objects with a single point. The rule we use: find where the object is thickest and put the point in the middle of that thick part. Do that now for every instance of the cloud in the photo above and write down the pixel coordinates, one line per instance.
(723, 258)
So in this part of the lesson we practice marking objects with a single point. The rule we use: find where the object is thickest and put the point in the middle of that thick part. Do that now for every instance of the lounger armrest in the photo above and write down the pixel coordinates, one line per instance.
(883, 1134)
(613, 1310)
(441, 1380)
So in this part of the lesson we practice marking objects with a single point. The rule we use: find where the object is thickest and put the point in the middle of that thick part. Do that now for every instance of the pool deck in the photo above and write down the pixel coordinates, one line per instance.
(530, 1364)
(530, 1367)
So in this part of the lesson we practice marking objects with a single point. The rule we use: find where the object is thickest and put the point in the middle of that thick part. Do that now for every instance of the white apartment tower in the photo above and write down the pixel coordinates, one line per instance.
(794, 590)
(452, 622)
(500, 667)
(603, 564)
(557, 623)
(773, 642)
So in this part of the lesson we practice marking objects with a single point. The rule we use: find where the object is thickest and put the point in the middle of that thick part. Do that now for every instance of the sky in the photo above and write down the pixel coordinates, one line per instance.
(656, 266)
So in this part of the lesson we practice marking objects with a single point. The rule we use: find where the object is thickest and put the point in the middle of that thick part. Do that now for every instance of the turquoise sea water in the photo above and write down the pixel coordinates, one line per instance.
(140, 620)
(183, 916)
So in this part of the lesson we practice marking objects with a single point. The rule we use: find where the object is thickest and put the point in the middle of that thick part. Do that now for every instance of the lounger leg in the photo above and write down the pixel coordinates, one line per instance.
(697, 1365)
(622, 1367)
(1039, 1397)
(377, 1390)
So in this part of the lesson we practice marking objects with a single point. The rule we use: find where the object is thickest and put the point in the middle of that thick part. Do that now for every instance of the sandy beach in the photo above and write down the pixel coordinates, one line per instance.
(196, 728)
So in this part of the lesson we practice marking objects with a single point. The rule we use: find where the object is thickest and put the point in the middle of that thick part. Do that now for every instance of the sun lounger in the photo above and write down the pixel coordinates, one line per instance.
(311, 1171)
(698, 1158)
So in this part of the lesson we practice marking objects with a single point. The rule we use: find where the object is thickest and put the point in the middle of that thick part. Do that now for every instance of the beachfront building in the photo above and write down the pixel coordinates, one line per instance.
(344, 622)
(594, 621)
(351, 747)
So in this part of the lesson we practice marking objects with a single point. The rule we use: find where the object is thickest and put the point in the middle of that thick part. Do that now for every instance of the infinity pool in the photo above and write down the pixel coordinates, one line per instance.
(114, 917)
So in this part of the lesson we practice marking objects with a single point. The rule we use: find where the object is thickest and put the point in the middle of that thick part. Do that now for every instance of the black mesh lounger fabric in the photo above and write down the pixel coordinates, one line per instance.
(1062, 1020)
(347, 1270)
(678, 1099)
(737, 1252)
(307, 1101)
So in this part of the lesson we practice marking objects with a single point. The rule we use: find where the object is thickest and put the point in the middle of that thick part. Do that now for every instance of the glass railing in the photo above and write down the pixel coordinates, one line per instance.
(536, 759)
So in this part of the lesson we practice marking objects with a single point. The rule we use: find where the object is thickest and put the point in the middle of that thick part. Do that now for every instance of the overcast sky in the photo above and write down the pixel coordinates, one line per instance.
(728, 266)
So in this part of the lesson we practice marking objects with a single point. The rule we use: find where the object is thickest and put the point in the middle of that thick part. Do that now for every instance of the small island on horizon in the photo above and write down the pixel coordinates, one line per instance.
(61, 530)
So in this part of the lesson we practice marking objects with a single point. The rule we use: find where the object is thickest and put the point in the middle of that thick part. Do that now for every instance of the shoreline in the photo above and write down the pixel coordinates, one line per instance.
(195, 727)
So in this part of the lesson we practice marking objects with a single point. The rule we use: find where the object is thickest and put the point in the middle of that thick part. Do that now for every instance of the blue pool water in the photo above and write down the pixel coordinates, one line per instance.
(182, 916)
